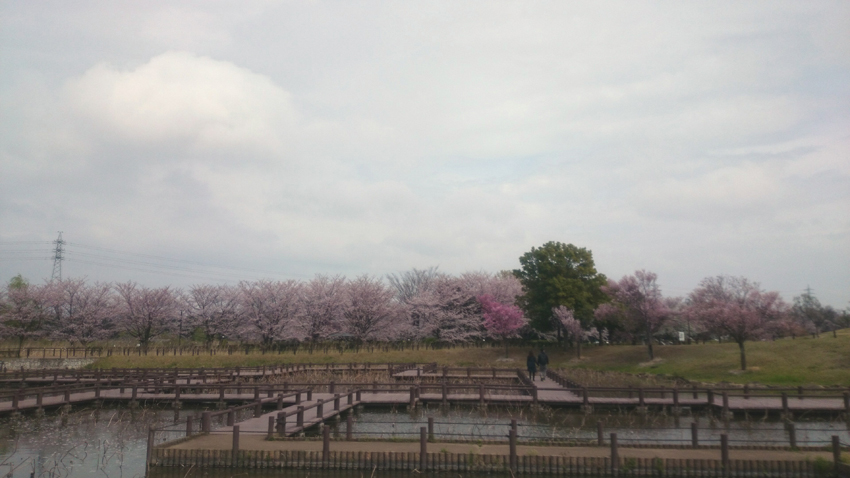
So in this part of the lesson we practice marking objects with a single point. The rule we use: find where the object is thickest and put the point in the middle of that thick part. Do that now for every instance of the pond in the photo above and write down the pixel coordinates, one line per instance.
(111, 442)
(572, 426)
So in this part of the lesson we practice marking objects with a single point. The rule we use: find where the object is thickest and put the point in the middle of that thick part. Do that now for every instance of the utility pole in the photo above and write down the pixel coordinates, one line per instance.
(58, 257)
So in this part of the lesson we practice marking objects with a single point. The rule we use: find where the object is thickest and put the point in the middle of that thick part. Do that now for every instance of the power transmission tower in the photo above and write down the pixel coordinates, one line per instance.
(58, 256)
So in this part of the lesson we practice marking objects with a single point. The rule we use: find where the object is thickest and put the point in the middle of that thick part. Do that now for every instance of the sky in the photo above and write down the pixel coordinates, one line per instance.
(192, 142)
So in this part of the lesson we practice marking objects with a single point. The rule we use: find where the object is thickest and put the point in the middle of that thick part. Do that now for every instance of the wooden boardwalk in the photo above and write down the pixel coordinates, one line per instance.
(412, 383)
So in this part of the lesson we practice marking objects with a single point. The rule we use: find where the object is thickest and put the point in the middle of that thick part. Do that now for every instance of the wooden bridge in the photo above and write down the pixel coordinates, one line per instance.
(409, 384)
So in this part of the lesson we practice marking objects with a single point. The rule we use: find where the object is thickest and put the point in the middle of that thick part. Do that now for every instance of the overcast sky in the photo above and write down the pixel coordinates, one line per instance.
(285, 139)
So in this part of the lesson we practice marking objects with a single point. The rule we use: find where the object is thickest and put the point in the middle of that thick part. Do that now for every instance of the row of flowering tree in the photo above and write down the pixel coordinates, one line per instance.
(415, 305)
(723, 307)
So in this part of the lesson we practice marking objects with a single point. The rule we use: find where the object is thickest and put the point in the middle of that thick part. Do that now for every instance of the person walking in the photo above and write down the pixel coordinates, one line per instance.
(542, 361)
(531, 364)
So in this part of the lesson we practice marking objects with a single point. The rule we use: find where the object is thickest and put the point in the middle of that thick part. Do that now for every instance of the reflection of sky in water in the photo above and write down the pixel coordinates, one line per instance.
(469, 424)
(112, 442)
(107, 443)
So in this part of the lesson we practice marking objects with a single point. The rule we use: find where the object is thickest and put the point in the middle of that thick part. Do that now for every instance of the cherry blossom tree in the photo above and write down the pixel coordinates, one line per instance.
(502, 321)
(640, 299)
(212, 308)
(85, 313)
(735, 307)
(502, 287)
(324, 300)
(26, 311)
(269, 310)
(446, 310)
(368, 309)
(145, 313)
(570, 325)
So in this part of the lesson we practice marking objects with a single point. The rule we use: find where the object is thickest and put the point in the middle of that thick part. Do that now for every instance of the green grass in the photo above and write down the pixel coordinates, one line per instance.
(804, 361)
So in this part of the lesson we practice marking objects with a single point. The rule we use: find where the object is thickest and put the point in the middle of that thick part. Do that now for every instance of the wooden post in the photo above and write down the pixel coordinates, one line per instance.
(349, 427)
(235, 444)
(676, 397)
(320, 409)
(600, 438)
(331, 387)
(423, 447)
(231, 417)
(281, 424)
(299, 418)
(836, 452)
(270, 432)
(784, 403)
(615, 453)
(641, 400)
(258, 409)
(694, 435)
(725, 404)
(149, 451)
(326, 444)
(724, 453)
(431, 428)
(189, 426)
(445, 393)
(350, 398)
(792, 434)
(412, 397)
(512, 447)
(206, 420)
(746, 391)
(336, 402)
(309, 394)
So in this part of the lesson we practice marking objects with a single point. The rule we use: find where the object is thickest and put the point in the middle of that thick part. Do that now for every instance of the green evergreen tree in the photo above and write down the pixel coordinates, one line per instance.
(555, 275)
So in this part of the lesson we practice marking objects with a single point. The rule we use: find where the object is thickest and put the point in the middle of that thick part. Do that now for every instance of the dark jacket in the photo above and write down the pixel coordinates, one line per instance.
(543, 359)
(531, 364)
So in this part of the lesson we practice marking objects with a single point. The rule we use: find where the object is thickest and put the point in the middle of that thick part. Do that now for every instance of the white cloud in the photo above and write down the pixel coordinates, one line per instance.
(178, 96)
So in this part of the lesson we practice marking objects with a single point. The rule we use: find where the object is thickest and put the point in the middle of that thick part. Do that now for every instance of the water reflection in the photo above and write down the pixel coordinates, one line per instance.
(111, 442)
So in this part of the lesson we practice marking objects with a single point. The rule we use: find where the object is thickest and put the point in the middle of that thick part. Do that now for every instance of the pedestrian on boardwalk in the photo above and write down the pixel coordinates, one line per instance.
(531, 363)
(542, 361)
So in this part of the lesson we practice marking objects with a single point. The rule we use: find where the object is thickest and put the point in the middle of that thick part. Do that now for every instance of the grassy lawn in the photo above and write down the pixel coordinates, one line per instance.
(804, 361)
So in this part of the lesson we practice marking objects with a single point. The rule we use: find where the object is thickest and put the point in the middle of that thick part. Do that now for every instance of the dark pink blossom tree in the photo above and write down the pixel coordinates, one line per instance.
(213, 309)
(269, 310)
(735, 307)
(85, 313)
(502, 321)
(145, 313)
(640, 299)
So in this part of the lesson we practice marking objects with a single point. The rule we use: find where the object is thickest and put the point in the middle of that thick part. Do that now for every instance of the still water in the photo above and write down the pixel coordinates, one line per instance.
(111, 442)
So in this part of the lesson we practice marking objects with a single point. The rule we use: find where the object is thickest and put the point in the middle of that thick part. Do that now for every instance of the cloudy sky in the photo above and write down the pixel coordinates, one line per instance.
(186, 142)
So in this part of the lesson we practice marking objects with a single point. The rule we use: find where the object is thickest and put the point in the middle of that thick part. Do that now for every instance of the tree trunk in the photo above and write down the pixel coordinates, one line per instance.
(649, 345)
(743, 355)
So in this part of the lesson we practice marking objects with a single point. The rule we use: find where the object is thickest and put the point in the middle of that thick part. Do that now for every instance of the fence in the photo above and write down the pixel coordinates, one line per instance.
(554, 464)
